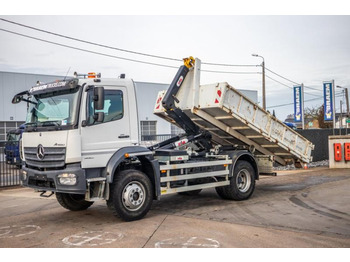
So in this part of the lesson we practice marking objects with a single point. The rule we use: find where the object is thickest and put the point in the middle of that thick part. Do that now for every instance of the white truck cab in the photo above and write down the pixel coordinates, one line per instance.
(64, 136)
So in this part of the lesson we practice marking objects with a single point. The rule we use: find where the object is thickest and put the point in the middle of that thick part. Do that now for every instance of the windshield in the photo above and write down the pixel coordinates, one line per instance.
(58, 108)
(12, 137)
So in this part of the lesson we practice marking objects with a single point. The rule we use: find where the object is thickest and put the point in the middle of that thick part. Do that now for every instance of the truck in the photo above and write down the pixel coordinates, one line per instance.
(12, 146)
(82, 142)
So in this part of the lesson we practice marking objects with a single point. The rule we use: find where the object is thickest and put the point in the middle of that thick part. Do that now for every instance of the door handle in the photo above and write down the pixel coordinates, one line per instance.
(123, 136)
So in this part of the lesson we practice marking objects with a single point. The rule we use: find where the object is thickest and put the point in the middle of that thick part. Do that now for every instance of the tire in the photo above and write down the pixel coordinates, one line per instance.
(221, 192)
(242, 182)
(132, 195)
(110, 204)
(73, 202)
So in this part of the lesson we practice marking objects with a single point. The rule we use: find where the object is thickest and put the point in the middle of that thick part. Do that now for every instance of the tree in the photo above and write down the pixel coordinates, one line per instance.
(321, 121)
(316, 113)
(311, 113)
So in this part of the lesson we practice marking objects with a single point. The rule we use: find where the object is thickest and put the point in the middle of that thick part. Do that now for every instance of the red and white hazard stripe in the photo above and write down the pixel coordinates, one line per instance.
(218, 95)
(158, 101)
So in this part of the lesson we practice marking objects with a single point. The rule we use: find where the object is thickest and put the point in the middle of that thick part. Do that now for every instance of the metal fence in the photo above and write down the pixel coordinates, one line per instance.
(9, 173)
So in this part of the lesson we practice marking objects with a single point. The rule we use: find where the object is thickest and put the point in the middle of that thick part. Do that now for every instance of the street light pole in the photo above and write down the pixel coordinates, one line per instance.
(345, 91)
(263, 80)
(347, 102)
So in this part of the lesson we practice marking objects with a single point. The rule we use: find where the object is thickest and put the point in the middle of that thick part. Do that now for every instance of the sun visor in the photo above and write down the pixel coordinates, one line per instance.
(53, 86)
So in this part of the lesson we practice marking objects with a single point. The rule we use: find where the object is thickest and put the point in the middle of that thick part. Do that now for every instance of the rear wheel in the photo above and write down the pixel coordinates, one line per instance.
(242, 182)
(73, 202)
(221, 192)
(132, 195)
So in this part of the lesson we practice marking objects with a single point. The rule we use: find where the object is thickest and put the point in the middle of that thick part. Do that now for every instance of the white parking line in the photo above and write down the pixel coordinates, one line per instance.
(92, 238)
(192, 242)
(17, 230)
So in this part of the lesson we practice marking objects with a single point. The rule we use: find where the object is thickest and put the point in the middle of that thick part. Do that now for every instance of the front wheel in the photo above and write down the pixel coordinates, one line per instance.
(242, 182)
(73, 202)
(132, 195)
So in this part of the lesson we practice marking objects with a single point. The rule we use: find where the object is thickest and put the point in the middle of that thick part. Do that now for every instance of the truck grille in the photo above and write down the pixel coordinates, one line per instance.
(54, 157)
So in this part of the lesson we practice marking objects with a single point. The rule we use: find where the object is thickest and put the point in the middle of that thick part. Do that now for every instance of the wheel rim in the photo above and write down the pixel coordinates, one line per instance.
(243, 180)
(133, 196)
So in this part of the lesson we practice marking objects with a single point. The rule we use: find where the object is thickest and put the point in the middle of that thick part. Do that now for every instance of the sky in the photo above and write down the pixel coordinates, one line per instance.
(306, 49)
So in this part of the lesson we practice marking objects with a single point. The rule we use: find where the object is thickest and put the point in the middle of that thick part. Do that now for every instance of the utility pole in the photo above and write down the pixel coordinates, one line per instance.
(263, 81)
(347, 109)
(345, 90)
(341, 117)
(263, 84)
(347, 101)
(302, 107)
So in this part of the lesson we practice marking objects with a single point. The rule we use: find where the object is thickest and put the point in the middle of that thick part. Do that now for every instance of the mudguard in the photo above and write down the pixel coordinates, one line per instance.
(146, 158)
(247, 156)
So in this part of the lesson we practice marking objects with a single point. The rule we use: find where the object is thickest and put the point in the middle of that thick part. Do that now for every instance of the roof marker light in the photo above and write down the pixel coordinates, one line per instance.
(91, 75)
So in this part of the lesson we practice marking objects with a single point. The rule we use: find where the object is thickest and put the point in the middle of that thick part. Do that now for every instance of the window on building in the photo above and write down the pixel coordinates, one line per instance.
(176, 130)
(148, 130)
(6, 126)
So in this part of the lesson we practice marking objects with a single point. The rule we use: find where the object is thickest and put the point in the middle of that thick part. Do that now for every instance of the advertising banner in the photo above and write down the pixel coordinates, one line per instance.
(328, 96)
(298, 104)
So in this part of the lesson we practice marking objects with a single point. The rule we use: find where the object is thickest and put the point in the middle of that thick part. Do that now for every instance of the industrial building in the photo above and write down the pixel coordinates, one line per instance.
(151, 126)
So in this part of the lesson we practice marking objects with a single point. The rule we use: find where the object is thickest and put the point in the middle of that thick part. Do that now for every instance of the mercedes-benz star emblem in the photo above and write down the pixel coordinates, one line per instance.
(40, 152)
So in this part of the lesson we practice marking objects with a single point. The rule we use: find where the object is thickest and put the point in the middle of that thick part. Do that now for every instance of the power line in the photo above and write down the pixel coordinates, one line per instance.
(228, 72)
(88, 42)
(219, 64)
(291, 80)
(278, 81)
(118, 49)
(309, 100)
(113, 56)
(281, 76)
(143, 54)
(289, 86)
(151, 63)
(85, 50)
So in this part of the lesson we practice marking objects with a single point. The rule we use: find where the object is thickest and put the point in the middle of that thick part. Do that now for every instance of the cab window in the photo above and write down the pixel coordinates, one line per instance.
(113, 107)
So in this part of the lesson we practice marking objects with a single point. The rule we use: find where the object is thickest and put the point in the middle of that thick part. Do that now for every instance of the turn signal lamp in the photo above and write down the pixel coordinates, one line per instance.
(92, 75)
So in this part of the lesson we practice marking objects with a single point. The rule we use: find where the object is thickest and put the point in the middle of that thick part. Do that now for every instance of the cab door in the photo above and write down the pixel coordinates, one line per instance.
(100, 140)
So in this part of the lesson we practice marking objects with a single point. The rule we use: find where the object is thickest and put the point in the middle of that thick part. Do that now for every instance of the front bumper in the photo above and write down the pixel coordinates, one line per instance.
(48, 180)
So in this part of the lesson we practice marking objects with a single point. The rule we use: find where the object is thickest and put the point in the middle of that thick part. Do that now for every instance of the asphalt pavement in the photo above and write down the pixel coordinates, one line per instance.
(299, 208)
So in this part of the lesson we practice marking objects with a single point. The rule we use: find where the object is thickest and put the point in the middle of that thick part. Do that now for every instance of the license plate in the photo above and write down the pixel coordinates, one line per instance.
(40, 177)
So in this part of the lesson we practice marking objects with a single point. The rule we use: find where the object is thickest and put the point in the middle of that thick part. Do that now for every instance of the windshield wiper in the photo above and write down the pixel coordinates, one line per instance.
(45, 123)
(32, 124)
(50, 123)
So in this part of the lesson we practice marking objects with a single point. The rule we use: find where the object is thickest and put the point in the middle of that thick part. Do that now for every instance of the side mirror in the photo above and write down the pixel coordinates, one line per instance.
(16, 99)
(19, 97)
(99, 117)
(99, 97)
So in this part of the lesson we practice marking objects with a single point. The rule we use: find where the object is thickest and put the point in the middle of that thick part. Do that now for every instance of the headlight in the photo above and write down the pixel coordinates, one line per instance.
(24, 175)
(67, 179)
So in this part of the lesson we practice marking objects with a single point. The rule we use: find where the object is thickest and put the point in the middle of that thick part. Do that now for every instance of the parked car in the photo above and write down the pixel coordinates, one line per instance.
(291, 125)
(12, 146)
